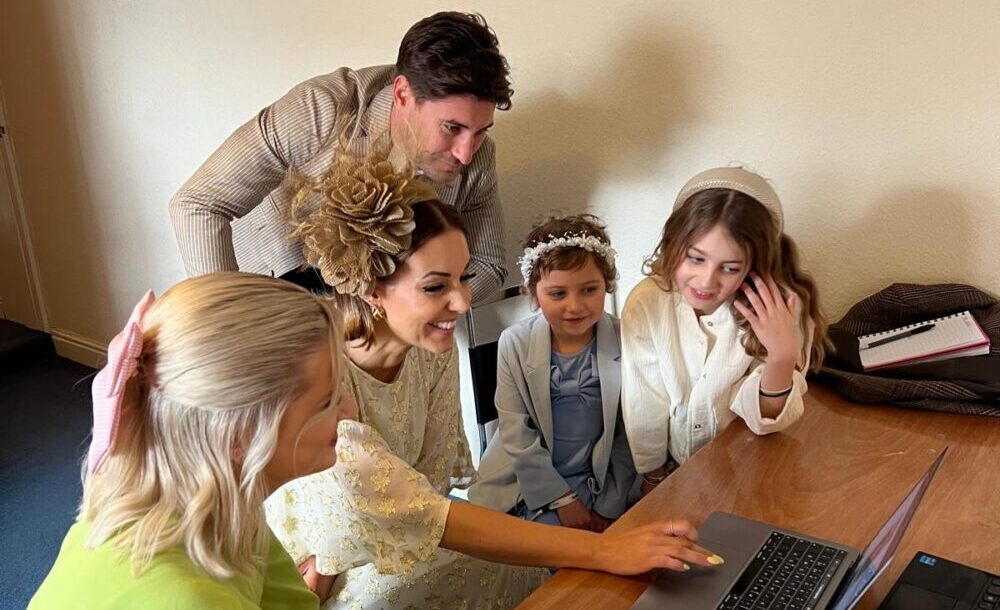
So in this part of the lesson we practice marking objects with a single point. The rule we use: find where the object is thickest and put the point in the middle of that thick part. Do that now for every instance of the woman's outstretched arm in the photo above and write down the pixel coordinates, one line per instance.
(498, 537)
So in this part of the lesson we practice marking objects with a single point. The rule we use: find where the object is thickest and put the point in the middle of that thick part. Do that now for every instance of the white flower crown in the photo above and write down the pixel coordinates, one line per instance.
(590, 243)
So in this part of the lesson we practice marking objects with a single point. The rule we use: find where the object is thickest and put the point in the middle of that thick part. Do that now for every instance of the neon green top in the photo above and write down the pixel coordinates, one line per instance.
(101, 579)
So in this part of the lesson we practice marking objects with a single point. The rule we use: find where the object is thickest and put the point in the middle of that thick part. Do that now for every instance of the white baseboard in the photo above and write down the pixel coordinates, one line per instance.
(77, 348)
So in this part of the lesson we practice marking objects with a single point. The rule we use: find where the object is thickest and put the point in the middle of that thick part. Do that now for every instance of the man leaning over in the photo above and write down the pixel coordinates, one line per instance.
(439, 100)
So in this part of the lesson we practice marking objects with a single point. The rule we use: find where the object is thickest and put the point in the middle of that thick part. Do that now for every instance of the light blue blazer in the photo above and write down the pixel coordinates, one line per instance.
(517, 463)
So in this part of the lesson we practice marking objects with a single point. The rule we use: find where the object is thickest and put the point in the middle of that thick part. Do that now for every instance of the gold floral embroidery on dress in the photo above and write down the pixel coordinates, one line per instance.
(345, 455)
(457, 577)
(386, 507)
(419, 416)
(386, 515)
(387, 560)
(487, 579)
(352, 477)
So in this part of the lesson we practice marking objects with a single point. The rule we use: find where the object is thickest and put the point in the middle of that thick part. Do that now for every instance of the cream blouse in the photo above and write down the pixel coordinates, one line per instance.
(685, 377)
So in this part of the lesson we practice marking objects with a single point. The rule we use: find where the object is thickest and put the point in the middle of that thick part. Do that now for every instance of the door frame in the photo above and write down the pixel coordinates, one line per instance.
(21, 228)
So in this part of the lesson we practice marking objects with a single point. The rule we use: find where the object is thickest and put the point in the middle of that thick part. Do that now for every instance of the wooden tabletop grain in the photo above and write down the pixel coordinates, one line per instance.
(838, 474)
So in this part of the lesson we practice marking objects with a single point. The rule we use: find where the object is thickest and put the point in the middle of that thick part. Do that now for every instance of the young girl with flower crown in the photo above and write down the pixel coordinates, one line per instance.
(725, 325)
(561, 454)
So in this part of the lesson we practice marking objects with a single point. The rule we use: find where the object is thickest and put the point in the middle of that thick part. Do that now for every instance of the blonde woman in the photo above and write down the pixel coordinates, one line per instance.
(397, 261)
(214, 395)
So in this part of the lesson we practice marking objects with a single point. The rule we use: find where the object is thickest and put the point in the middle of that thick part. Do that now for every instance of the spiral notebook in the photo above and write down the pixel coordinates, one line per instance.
(953, 336)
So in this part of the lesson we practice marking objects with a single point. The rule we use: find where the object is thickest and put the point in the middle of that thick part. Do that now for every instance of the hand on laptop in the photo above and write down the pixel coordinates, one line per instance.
(664, 544)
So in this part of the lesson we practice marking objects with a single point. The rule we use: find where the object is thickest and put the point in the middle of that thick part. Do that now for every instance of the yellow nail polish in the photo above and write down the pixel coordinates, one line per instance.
(715, 560)
(686, 567)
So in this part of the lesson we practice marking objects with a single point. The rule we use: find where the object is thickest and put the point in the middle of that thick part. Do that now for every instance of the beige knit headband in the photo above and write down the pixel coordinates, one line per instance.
(737, 179)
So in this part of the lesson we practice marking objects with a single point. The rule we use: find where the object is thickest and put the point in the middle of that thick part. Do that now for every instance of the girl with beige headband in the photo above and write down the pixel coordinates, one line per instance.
(396, 259)
(725, 325)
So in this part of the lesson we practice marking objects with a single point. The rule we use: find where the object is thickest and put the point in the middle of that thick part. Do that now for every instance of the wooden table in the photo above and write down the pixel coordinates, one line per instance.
(838, 474)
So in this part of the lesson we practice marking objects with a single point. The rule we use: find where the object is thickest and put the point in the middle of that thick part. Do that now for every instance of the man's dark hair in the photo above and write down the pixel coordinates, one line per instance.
(451, 53)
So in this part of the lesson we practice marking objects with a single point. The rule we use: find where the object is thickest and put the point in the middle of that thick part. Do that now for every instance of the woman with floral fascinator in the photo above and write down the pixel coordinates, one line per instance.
(396, 261)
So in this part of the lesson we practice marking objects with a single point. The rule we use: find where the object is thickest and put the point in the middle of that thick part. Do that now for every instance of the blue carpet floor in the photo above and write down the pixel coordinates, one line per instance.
(45, 415)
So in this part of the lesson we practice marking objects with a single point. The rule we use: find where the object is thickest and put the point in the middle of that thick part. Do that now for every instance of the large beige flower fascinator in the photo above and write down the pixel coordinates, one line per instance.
(355, 219)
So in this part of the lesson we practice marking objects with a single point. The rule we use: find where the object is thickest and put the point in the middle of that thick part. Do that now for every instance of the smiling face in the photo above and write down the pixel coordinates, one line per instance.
(447, 131)
(572, 302)
(308, 430)
(424, 298)
(711, 270)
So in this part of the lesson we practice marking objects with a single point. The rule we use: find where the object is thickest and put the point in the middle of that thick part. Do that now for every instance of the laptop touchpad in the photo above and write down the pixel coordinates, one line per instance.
(701, 587)
(909, 597)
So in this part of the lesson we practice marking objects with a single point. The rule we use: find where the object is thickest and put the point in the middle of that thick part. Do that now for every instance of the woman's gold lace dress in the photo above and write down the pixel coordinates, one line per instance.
(377, 517)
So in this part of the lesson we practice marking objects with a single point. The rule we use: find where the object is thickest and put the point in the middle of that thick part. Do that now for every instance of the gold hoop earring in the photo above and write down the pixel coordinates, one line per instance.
(377, 313)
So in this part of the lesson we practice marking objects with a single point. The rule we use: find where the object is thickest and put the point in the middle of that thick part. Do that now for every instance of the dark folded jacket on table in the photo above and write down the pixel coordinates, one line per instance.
(957, 385)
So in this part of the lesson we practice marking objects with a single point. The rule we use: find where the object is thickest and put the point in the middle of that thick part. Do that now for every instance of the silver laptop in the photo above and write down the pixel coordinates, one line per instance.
(772, 568)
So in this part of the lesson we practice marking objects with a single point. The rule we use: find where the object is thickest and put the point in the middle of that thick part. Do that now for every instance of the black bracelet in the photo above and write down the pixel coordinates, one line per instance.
(784, 392)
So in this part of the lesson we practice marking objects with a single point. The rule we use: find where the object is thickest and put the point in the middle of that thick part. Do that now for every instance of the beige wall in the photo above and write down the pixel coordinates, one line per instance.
(879, 123)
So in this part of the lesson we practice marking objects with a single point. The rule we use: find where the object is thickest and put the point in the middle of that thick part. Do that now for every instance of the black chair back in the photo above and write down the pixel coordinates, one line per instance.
(485, 323)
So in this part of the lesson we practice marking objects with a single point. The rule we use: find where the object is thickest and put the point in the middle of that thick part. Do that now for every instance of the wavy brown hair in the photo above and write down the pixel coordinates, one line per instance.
(452, 53)
(769, 252)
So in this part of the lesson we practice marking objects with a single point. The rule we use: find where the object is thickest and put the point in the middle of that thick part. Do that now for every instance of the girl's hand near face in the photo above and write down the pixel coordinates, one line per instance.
(772, 318)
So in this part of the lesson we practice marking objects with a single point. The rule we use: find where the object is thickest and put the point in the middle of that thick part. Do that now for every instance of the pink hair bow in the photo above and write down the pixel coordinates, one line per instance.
(108, 390)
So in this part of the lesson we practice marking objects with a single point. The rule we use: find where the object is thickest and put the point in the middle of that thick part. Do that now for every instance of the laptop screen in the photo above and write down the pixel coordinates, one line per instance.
(879, 552)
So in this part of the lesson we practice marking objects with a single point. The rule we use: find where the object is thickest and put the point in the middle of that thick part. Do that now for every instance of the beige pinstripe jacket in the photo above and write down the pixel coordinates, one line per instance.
(230, 214)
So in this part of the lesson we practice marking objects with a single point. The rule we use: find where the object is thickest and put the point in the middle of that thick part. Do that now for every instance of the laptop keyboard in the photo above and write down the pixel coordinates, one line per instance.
(989, 599)
(788, 573)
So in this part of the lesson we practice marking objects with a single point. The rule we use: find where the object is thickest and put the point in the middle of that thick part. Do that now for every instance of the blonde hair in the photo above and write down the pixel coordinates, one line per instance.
(769, 252)
(222, 359)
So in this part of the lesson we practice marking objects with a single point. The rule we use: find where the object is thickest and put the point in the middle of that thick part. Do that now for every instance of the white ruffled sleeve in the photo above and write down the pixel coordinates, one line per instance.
(371, 507)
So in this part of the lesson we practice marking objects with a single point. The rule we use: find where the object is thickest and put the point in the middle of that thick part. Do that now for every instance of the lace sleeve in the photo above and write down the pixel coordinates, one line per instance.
(371, 507)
